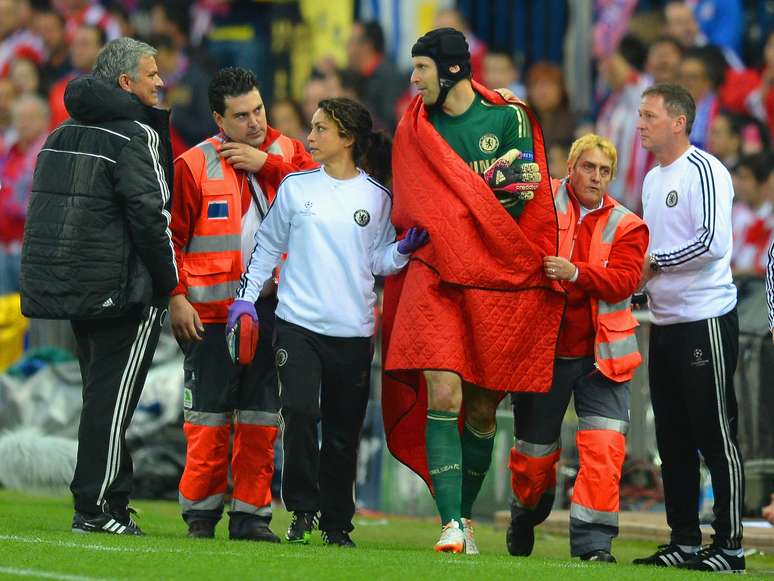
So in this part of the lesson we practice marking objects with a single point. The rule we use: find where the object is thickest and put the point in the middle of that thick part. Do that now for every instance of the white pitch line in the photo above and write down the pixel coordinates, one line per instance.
(70, 545)
(47, 574)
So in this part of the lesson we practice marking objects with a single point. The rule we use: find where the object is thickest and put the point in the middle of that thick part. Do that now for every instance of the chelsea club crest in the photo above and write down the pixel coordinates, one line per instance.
(488, 143)
(362, 218)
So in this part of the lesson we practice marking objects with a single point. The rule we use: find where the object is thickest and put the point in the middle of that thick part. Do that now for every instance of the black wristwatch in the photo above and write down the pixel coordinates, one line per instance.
(653, 263)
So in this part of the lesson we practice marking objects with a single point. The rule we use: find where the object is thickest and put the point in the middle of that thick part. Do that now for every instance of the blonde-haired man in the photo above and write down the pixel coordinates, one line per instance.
(602, 246)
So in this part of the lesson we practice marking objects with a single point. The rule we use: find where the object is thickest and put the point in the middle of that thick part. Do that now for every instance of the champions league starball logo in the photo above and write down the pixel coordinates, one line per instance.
(698, 358)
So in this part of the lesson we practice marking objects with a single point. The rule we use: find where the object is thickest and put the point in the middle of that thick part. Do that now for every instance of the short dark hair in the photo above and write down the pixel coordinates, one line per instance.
(713, 61)
(633, 51)
(666, 39)
(229, 82)
(677, 101)
(758, 163)
(98, 30)
(178, 13)
(162, 41)
(373, 35)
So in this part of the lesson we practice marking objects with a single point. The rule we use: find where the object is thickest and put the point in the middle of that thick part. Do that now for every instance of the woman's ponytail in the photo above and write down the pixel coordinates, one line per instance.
(377, 157)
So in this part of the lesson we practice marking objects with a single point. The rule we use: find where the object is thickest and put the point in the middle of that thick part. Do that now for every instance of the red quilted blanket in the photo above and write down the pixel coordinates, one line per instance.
(475, 299)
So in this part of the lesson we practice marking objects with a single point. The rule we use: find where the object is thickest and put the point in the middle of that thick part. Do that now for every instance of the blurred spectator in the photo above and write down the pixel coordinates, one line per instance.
(25, 76)
(16, 41)
(680, 23)
(500, 71)
(172, 17)
(184, 93)
(314, 92)
(122, 17)
(760, 101)
(558, 153)
(238, 35)
(382, 82)
(755, 138)
(50, 25)
(7, 98)
(702, 73)
(725, 138)
(547, 95)
(17, 164)
(453, 18)
(662, 64)
(721, 22)
(752, 216)
(348, 84)
(86, 44)
(79, 12)
(286, 117)
(617, 119)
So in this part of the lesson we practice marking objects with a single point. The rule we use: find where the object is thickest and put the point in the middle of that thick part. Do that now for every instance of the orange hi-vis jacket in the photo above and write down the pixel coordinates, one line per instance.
(212, 259)
(615, 343)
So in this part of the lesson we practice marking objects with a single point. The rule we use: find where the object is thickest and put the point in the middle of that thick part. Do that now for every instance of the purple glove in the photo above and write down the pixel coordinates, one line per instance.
(415, 239)
(236, 310)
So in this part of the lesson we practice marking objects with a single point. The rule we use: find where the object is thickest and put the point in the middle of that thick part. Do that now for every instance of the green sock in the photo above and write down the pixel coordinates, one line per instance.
(476, 458)
(444, 459)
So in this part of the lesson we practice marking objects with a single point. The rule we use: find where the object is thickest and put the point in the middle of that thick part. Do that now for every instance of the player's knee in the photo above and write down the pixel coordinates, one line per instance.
(481, 415)
(444, 399)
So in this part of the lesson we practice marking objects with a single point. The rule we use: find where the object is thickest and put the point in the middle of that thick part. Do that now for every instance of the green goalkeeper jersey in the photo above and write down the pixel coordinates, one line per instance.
(485, 132)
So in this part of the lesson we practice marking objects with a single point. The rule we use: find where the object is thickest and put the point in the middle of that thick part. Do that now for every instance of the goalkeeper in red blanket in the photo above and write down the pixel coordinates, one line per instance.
(474, 316)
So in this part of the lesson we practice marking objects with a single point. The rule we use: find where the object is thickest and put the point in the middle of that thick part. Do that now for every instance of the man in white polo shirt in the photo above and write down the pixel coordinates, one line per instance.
(695, 339)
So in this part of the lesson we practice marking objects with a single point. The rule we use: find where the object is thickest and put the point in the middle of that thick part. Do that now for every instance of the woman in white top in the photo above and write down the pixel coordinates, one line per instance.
(334, 223)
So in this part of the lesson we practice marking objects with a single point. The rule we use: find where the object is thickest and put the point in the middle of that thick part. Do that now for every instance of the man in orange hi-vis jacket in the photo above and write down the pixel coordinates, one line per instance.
(602, 247)
(223, 188)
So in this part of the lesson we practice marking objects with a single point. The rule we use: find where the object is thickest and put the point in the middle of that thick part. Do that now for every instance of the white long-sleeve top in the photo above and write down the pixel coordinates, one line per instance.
(338, 235)
(687, 207)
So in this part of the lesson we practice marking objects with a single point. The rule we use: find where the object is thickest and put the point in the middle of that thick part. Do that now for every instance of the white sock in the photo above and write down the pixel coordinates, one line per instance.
(692, 549)
(734, 552)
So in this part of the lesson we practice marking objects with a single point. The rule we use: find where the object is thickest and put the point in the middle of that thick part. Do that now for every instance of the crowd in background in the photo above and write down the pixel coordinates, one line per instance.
(44, 44)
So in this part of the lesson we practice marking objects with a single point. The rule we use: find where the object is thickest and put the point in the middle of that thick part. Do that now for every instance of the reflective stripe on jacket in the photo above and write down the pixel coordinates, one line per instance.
(213, 256)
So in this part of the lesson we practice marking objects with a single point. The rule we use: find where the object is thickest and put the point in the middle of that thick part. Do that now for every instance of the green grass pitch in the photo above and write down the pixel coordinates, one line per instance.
(35, 543)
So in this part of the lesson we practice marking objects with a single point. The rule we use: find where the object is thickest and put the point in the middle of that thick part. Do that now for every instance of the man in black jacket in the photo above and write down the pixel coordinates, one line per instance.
(98, 251)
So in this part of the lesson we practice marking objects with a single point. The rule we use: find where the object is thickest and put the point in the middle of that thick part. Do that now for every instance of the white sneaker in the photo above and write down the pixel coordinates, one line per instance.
(452, 538)
(470, 540)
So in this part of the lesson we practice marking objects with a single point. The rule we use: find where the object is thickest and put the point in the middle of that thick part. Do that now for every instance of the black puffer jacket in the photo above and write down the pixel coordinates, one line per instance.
(97, 240)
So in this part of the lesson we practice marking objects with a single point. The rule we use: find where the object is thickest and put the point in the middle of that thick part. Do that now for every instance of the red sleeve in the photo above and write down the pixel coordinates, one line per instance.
(736, 88)
(275, 169)
(186, 206)
(620, 278)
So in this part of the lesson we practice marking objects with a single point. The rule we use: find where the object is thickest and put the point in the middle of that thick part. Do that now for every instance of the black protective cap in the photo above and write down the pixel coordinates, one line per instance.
(447, 47)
